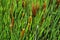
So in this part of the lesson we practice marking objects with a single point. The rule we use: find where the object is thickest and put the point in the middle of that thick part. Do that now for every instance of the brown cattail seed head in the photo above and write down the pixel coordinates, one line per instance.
(57, 4)
(23, 4)
(58, 1)
(28, 26)
(12, 20)
(22, 32)
(33, 10)
(30, 19)
(44, 5)
(12, 23)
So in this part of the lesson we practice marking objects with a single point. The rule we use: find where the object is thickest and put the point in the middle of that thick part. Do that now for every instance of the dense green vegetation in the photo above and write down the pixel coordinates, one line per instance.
(29, 19)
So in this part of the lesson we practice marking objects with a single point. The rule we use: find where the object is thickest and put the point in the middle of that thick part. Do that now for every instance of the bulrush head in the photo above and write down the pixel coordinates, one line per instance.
(24, 3)
(22, 32)
(30, 19)
(44, 5)
(33, 10)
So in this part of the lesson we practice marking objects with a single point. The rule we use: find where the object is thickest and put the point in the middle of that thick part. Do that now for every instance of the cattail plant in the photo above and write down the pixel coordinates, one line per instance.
(29, 19)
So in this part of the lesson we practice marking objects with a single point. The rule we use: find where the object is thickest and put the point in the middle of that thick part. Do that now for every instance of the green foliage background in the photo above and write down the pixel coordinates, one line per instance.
(50, 28)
